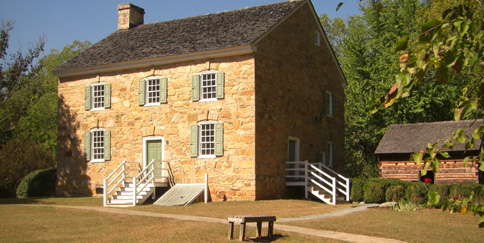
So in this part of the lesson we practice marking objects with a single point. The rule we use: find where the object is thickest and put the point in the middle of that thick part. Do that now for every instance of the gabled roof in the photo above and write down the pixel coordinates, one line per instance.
(181, 36)
(411, 138)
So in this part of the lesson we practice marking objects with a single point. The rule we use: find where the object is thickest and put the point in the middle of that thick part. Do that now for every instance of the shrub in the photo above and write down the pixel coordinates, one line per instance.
(442, 189)
(356, 193)
(464, 190)
(394, 193)
(17, 159)
(416, 192)
(40, 183)
(374, 192)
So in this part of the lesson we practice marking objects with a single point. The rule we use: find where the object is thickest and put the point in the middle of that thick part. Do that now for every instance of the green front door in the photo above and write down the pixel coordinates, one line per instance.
(154, 152)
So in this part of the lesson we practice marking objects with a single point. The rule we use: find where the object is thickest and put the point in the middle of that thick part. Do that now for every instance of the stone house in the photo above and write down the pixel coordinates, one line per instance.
(402, 140)
(233, 94)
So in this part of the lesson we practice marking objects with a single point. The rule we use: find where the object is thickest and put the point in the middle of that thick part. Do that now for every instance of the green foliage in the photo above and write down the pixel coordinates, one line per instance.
(39, 123)
(40, 183)
(394, 193)
(404, 205)
(416, 192)
(441, 189)
(374, 192)
(364, 47)
(17, 159)
(357, 192)
(465, 190)
(461, 206)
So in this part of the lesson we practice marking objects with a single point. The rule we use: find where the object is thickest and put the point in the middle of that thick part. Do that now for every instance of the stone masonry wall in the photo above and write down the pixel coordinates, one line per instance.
(231, 176)
(292, 73)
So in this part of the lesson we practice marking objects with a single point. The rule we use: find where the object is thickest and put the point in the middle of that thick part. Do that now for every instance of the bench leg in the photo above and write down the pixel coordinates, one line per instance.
(231, 230)
(242, 232)
(259, 229)
(270, 228)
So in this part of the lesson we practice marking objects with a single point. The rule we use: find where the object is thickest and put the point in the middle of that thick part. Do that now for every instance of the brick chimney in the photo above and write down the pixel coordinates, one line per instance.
(130, 16)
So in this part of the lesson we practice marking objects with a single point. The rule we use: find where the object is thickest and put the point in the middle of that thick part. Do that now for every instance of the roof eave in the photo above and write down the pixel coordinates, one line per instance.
(225, 52)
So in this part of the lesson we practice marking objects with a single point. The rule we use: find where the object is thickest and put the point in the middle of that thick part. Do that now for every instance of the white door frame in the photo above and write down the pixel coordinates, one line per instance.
(145, 149)
(297, 147)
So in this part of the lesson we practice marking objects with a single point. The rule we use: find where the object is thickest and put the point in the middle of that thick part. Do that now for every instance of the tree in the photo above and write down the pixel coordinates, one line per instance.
(364, 45)
(20, 87)
(39, 123)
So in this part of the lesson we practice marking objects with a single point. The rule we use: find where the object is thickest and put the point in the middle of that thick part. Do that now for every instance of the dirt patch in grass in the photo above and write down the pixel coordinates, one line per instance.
(412, 226)
(278, 208)
(47, 224)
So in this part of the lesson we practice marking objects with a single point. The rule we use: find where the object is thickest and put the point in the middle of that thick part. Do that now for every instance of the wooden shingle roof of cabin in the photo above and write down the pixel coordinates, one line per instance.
(181, 36)
(411, 138)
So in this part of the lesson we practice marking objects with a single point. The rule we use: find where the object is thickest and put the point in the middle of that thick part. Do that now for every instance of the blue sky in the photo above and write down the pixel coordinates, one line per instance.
(63, 21)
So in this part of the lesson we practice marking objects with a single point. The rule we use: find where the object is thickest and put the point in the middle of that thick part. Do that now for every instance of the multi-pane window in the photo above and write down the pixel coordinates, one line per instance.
(207, 139)
(208, 86)
(97, 143)
(328, 103)
(97, 96)
(317, 38)
(153, 91)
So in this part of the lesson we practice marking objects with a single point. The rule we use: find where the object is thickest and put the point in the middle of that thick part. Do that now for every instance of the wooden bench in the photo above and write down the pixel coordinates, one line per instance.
(242, 220)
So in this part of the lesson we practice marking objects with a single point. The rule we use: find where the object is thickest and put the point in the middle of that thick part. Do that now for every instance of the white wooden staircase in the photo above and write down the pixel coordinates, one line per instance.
(122, 190)
(319, 180)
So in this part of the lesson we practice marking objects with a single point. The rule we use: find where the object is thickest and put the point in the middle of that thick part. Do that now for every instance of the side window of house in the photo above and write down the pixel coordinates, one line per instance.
(206, 140)
(97, 96)
(97, 145)
(328, 103)
(317, 38)
(208, 86)
(152, 91)
(330, 155)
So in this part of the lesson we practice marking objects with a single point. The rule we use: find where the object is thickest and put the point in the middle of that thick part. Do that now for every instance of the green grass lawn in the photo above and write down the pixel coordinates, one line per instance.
(47, 224)
(411, 226)
(23, 223)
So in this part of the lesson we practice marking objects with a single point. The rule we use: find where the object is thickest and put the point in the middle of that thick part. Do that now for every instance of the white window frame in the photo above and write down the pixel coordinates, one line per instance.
(317, 38)
(297, 147)
(331, 104)
(330, 154)
(201, 86)
(92, 146)
(147, 85)
(200, 144)
(93, 90)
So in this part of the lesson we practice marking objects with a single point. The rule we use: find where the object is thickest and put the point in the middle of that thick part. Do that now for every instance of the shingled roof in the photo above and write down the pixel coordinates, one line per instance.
(411, 138)
(194, 34)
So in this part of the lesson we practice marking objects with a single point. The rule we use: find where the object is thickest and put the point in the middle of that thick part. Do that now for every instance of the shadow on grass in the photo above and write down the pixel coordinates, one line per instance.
(24, 201)
(275, 237)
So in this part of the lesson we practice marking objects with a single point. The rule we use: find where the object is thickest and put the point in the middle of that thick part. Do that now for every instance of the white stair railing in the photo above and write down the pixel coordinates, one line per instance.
(148, 176)
(320, 176)
(113, 181)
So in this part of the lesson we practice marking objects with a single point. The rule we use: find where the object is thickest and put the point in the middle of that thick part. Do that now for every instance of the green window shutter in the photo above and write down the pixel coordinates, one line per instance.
(220, 85)
(332, 104)
(107, 95)
(87, 98)
(196, 87)
(193, 141)
(163, 90)
(219, 139)
(107, 145)
(141, 92)
(326, 103)
(87, 146)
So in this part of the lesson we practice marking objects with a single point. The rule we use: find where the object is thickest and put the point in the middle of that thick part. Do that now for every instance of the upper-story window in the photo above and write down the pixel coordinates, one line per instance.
(328, 103)
(208, 86)
(97, 96)
(206, 140)
(97, 145)
(152, 91)
(317, 38)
